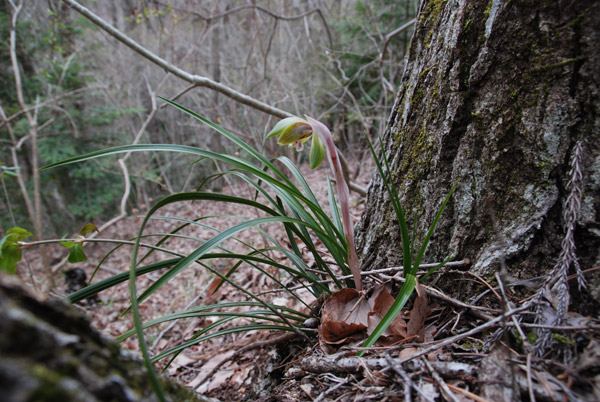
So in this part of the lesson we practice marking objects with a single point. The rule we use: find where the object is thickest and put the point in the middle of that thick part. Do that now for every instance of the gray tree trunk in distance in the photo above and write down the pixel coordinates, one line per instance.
(49, 352)
(495, 95)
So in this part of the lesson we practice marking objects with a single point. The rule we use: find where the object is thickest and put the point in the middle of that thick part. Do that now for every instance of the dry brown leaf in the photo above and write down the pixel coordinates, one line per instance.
(180, 361)
(345, 313)
(209, 366)
(220, 377)
(212, 293)
(407, 352)
(418, 314)
(162, 344)
(382, 300)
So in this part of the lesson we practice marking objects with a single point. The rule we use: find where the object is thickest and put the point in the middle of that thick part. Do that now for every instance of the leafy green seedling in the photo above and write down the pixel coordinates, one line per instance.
(76, 253)
(10, 249)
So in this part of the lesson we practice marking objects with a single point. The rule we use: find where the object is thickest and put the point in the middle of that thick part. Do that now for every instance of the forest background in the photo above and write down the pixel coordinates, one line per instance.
(497, 98)
(333, 60)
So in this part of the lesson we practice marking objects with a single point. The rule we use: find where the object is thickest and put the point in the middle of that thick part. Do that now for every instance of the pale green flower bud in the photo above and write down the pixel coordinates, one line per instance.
(294, 131)
(317, 152)
(291, 130)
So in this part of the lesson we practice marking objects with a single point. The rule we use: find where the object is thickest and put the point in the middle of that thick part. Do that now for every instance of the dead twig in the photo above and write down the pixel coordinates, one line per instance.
(408, 382)
(440, 381)
(323, 394)
(508, 305)
(466, 393)
(253, 345)
(321, 364)
(529, 380)
(476, 330)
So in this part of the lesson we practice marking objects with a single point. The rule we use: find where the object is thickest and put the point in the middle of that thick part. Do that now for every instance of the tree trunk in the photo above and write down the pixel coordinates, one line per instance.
(49, 352)
(494, 97)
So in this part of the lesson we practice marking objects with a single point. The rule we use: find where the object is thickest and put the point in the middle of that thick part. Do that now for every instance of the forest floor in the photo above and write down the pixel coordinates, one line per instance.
(471, 350)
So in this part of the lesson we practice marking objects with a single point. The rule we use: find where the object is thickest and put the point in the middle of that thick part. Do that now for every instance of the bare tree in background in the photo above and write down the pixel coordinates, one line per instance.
(290, 57)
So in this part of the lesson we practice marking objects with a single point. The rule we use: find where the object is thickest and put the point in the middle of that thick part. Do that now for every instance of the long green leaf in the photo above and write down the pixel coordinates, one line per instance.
(285, 189)
(257, 155)
(98, 287)
(430, 232)
(265, 315)
(394, 199)
(228, 331)
(432, 270)
(215, 241)
(410, 269)
(405, 291)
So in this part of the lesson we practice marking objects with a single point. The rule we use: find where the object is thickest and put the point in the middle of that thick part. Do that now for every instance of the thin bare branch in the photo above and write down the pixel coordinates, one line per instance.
(440, 381)
(449, 341)
(15, 160)
(52, 100)
(184, 75)
(263, 10)
(395, 32)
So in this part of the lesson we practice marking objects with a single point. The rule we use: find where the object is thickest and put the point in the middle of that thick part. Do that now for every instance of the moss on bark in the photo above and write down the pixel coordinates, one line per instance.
(49, 352)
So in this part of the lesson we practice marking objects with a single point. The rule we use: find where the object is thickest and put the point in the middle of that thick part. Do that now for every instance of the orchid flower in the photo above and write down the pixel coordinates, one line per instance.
(294, 131)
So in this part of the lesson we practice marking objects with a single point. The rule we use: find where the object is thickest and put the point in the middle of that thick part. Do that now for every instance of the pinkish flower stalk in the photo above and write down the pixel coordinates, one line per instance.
(294, 131)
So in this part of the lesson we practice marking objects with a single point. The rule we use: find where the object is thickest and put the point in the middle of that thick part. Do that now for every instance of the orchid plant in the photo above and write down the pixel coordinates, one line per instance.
(280, 200)
(294, 131)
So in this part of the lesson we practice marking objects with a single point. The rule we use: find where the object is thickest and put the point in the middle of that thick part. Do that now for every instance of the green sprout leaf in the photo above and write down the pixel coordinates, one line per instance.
(8, 171)
(10, 257)
(67, 244)
(10, 249)
(563, 339)
(76, 254)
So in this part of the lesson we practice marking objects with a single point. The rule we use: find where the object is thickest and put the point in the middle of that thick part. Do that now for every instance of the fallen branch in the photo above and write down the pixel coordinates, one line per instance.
(321, 364)
(448, 341)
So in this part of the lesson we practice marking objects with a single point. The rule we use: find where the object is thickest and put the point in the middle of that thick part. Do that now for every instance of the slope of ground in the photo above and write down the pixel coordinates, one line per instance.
(477, 348)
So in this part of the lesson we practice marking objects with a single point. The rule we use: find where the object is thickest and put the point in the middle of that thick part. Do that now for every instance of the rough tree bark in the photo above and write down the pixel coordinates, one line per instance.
(49, 352)
(495, 96)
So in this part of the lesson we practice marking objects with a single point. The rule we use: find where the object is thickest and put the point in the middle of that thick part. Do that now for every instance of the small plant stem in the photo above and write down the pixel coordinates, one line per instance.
(343, 196)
